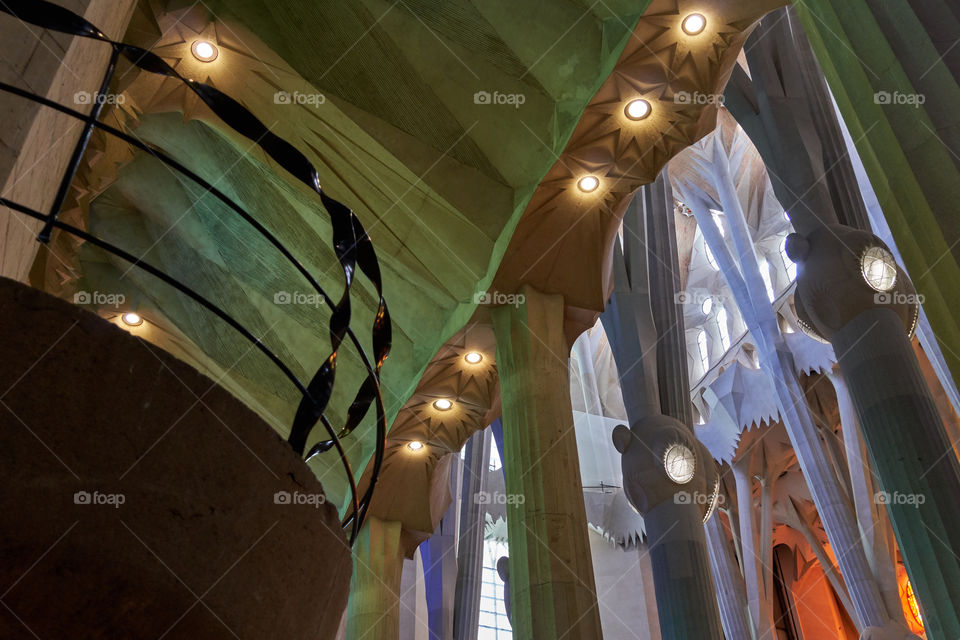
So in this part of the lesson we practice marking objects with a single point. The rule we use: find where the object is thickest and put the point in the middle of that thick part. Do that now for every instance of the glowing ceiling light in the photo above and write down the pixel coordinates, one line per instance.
(204, 51)
(442, 404)
(680, 463)
(693, 24)
(588, 184)
(637, 109)
(879, 269)
(131, 319)
(415, 445)
(473, 357)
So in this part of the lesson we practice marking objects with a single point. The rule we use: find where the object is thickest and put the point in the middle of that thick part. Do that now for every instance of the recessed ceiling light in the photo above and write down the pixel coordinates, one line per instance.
(637, 109)
(131, 319)
(588, 184)
(414, 445)
(442, 404)
(204, 51)
(693, 24)
(473, 357)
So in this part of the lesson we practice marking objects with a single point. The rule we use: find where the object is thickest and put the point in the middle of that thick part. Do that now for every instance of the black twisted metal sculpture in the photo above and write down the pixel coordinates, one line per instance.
(351, 243)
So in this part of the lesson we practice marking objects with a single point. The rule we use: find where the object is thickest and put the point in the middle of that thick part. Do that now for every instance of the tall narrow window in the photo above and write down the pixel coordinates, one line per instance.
(722, 326)
(493, 613)
(704, 351)
(765, 274)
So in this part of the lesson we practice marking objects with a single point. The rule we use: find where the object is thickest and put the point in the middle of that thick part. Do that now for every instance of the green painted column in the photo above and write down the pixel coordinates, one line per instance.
(373, 611)
(552, 588)
(842, 297)
(896, 86)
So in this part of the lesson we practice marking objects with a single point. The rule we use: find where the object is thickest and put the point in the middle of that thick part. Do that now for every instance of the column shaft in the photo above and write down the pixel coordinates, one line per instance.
(466, 615)
(728, 582)
(373, 612)
(551, 570)
(918, 472)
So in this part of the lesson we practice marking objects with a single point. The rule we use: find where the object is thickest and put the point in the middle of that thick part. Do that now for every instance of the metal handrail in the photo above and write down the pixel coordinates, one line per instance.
(351, 243)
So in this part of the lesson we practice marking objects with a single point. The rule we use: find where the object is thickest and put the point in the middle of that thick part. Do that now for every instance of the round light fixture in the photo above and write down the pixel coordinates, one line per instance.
(680, 463)
(442, 404)
(588, 184)
(707, 306)
(693, 24)
(637, 109)
(473, 357)
(204, 51)
(414, 445)
(879, 269)
(131, 319)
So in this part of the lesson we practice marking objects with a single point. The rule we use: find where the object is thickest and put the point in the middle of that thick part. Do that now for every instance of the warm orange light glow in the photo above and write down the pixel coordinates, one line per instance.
(911, 607)
(442, 404)
(204, 51)
(588, 184)
(415, 445)
(473, 357)
(693, 24)
(131, 319)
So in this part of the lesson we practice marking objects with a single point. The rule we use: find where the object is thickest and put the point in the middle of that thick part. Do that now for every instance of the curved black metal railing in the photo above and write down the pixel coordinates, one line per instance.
(351, 244)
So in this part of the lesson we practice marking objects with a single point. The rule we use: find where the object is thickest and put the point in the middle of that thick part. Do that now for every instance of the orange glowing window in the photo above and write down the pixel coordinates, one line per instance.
(912, 608)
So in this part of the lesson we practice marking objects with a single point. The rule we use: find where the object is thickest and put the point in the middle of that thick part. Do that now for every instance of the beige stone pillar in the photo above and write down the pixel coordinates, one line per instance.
(373, 612)
(36, 142)
(551, 570)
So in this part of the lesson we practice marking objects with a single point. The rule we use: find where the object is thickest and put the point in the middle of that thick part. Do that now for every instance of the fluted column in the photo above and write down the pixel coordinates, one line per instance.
(728, 582)
(919, 474)
(466, 614)
(373, 612)
(851, 292)
(551, 569)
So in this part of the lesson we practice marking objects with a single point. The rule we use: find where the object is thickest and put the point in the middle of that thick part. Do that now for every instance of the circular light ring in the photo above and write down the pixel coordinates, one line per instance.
(588, 184)
(714, 501)
(879, 268)
(131, 319)
(637, 109)
(442, 404)
(204, 51)
(707, 306)
(693, 24)
(473, 357)
(680, 463)
(414, 445)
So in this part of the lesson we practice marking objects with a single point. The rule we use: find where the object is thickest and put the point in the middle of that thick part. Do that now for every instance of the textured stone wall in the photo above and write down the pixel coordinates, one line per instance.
(140, 498)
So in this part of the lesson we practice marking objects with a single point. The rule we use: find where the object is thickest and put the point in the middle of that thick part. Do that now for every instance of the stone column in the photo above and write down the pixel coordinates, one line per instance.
(728, 582)
(869, 320)
(466, 612)
(551, 570)
(373, 612)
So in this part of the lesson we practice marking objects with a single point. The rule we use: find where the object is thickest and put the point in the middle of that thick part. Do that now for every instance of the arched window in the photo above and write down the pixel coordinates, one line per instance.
(704, 351)
(722, 326)
(765, 274)
(788, 264)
